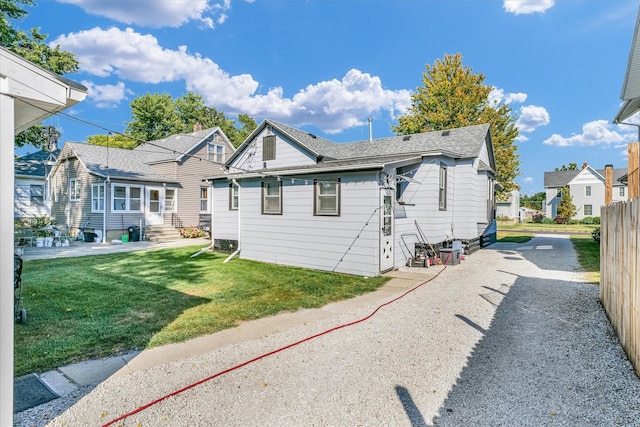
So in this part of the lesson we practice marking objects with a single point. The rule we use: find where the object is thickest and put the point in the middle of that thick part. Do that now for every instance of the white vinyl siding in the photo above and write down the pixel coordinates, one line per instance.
(97, 198)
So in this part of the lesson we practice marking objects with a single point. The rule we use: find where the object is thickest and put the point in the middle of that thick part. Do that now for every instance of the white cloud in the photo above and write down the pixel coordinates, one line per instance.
(153, 13)
(106, 96)
(532, 117)
(497, 96)
(527, 180)
(333, 105)
(597, 132)
(527, 6)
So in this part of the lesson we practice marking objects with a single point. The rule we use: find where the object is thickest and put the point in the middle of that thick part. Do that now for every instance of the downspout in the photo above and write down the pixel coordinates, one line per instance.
(104, 212)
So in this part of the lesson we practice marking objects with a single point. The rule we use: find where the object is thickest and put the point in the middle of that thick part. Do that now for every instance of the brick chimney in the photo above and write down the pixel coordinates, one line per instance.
(584, 165)
(197, 127)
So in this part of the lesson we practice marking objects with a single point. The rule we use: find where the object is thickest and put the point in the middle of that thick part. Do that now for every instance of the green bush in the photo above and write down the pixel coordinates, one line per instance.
(547, 221)
(596, 235)
(537, 218)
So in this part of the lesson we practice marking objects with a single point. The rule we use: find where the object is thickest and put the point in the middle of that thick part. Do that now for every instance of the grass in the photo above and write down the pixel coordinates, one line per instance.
(588, 252)
(513, 237)
(98, 306)
(537, 227)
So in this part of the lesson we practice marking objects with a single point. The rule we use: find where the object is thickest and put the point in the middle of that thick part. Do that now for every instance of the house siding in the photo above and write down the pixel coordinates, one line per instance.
(288, 154)
(225, 220)
(23, 208)
(347, 243)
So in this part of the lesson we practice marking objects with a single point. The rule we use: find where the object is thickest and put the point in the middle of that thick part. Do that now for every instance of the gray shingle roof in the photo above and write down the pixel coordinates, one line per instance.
(465, 142)
(173, 147)
(32, 165)
(562, 178)
(116, 163)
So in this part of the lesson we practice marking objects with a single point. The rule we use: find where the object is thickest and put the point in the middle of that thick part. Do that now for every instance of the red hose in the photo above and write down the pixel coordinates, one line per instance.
(255, 359)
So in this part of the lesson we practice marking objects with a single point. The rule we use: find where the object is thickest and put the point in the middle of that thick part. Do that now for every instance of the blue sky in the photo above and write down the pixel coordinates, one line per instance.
(326, 66)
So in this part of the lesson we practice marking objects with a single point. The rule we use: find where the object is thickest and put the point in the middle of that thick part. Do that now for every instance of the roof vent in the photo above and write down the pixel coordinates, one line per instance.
(312, 135)
(406, 138)
(445, 133)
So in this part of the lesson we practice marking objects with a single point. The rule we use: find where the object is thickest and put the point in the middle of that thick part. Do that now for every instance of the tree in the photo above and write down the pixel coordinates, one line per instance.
(534, 202)
(454, 96)
(566, 208)
(113, 141)
(571, 167)
(156, 116)
(32, 46)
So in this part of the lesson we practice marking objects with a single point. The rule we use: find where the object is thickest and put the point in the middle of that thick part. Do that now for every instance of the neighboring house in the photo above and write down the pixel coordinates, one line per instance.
(509, 207)
(587, 188)
(160, 182)
(527, 214)
(293, 198)
(31, 196)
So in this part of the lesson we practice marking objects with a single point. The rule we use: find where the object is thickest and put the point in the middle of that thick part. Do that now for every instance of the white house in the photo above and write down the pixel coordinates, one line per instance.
(587, 189)
(290, 197)
(510, 206)
(31, 185)
(28, 95)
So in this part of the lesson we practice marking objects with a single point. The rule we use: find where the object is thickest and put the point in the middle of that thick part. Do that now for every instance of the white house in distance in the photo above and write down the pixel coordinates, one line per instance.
(31, 185)
(587, 188)
(28, 95)
(290, 197)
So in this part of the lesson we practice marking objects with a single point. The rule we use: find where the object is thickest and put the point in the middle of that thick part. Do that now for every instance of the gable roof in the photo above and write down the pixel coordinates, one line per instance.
(562, 178)
(466, 142)
(178, 146)
(116, 163)
(32, 165)
(630, 93)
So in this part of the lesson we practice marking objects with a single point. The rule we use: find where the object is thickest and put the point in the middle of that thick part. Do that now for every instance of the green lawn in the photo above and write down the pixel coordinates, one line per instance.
(536, 227)
(98, 306)
(514, 237)
(588, 252)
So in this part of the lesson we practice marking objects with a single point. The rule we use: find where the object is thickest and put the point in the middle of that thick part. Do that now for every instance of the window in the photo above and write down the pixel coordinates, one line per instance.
(442, 190)
(269, 147)
(272, 198)
(234, 192)
(127, 198)
(170, 200)
(204, 199)
(37, 195)
(74, 189)
(326, 198)
(97, 198)
(588, 210)
(587, 190)
(621, 191)
(559, 193)
(215, 152)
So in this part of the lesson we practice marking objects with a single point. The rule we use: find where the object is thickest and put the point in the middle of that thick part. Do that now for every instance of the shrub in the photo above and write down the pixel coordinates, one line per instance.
(547, 221)
(596, 235)
(192, 232)
(589, 220)
(537, 218)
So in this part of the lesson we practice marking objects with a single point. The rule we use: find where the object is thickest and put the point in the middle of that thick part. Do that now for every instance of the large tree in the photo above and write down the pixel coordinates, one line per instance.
(534, 202)
(156, 116)
(32, 46)
(451, 96)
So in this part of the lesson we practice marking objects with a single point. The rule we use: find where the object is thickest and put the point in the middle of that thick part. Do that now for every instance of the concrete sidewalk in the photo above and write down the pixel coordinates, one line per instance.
(68, 380)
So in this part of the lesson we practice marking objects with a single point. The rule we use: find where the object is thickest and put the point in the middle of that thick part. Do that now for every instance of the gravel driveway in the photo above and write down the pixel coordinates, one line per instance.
(511, 336)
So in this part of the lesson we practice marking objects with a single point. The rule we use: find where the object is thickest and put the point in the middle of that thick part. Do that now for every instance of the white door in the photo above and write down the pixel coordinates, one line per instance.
(386, 230)
(153, 205)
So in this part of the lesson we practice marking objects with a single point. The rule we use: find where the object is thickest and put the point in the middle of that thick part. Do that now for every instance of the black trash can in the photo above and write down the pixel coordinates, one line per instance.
(89, 236)
(134, 233)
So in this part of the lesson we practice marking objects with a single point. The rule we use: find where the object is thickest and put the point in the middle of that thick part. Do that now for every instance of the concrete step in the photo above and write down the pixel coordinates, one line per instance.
(161, 233)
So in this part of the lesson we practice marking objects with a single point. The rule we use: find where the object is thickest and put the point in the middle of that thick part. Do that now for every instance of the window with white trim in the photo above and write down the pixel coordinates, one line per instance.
(36, 195)
(234, 194)
(326, 197)
(272, 198)
(126, 198)
(588, 210)
(204, 199)
(74, 189)
(587, 191)
(621, 191)
(170, 200)
(97, 198)
(215, 152)
(442, 188)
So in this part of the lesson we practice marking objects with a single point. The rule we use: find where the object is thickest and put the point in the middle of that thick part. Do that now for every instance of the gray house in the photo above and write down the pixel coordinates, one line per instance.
(157, 184)
(291, 197)
(30, 185)
(587, 188)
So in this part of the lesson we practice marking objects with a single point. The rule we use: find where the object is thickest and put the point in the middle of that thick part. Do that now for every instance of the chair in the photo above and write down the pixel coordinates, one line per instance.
(23, 236)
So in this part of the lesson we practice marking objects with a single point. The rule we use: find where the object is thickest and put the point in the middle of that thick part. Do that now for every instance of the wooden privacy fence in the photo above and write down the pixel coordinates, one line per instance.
(619, 273)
